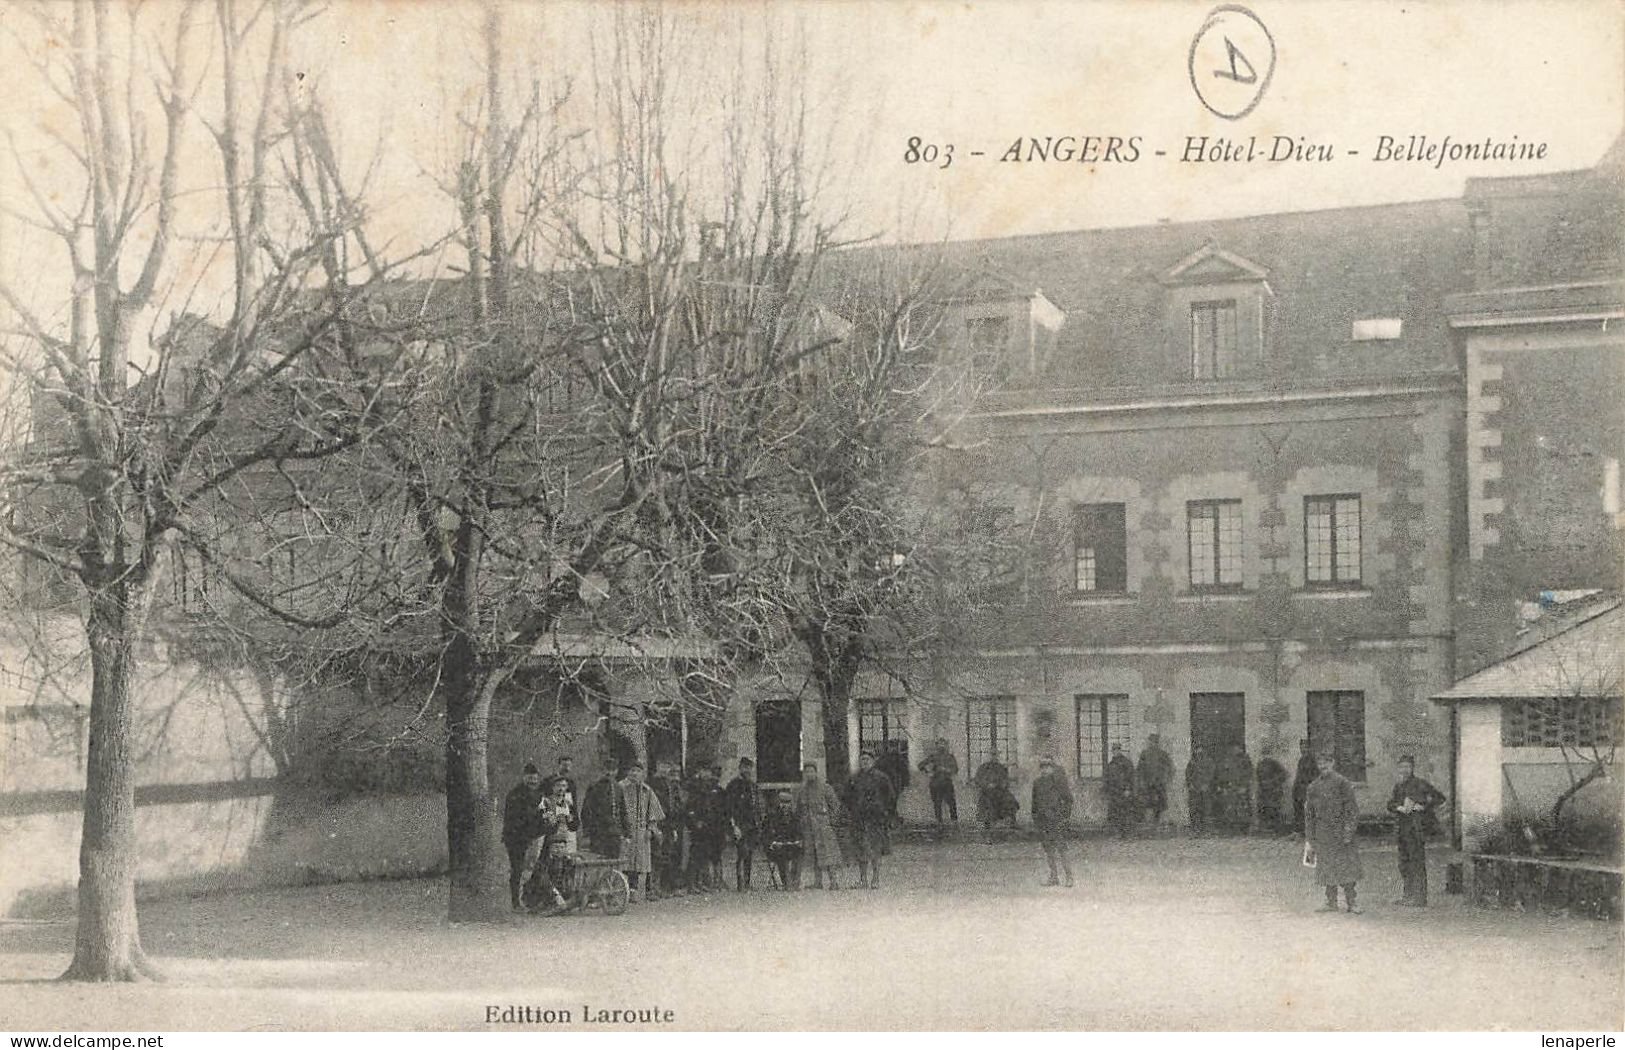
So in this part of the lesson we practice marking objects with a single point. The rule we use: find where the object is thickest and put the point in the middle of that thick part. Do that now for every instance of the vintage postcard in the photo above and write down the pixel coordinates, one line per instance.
(800, 516)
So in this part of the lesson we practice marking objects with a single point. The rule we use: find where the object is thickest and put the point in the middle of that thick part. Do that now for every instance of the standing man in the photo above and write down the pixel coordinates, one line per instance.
(1308, 771)
(704, 821)
(819, 811)
(1412, 804)
(994, 801)
(1052, 814)
(1331, 817)
(1122, 808)
(871, 802)
(566, 764)
(668, 788)
(1271, 786)
(522, 831)
(603, 813)
(1199, 787)
(1236, 789)
(743, 806)
(943, 767)
(643, 817)
(892, 763)
(1156, 772)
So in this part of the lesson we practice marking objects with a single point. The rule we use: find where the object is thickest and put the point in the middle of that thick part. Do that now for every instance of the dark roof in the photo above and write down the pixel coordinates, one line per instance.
(1326, 269)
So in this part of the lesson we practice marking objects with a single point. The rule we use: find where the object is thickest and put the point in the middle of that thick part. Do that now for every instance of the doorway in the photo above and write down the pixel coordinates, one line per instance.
(1218, 722)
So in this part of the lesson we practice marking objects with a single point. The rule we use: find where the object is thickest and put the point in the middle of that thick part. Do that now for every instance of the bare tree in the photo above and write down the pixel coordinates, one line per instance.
(132, 449)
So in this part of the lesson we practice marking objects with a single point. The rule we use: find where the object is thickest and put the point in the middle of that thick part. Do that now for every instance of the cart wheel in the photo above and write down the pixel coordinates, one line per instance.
(611, 893)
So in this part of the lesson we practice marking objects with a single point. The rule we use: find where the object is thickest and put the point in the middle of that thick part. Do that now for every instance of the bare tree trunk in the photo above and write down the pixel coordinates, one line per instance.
(478, 891)
(107, 944)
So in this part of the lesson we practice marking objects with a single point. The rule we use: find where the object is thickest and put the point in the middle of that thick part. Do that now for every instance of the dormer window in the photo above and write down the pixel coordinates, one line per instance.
(1216, 303)
(1213, 339)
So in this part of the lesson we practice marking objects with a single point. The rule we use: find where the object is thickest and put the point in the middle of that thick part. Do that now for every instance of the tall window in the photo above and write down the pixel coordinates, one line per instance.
(1337, 724)
(1213, 339)
(1102, 722)
(883, 727)
(1215, 543)
(1100, 549)
(1331, 540)
(990, 730)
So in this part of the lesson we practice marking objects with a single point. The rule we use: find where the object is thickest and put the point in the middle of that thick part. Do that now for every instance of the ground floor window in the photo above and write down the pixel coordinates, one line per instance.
(1337, 724)
(1567, 721)
(1102, 722)
(883, 727)
(990, 730)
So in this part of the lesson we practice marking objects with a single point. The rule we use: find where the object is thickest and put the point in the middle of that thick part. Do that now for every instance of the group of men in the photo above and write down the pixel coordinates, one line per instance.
(670, 834)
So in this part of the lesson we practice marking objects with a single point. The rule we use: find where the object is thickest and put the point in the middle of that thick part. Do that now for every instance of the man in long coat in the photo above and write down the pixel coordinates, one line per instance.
(1052, 813)
(643, 817)
(1155, 772)
(1412, 805)
(872, 801)
(1331, 817)
(819, 810)
(1122, 806)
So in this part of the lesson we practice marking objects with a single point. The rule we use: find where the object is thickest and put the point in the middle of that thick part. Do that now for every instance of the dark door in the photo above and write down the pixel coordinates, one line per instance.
(778, 741)
(1218, 721)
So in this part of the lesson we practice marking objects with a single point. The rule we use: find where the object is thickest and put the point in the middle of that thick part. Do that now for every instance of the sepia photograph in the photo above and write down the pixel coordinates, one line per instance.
(792, 516)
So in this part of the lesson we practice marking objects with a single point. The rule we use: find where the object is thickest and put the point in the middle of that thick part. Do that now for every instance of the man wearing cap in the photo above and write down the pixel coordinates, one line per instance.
(1331, 816)
(1122, 809)
(1052, 812)
(870, 798)
(1412, 805)
(522, 830)
(743, 806)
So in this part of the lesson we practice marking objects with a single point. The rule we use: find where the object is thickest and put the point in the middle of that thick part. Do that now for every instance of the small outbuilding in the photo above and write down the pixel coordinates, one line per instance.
(1536, 733)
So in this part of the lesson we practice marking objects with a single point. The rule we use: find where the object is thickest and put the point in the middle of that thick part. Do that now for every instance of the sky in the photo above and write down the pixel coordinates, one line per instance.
(976, 76)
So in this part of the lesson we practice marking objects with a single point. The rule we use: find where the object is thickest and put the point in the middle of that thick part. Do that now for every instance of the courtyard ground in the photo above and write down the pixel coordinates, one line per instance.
(1169, 934)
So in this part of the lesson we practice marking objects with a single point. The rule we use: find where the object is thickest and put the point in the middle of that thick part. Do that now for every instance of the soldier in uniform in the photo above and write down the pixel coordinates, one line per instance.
(1199, 788)
(705, 830)
(1412, 805)
(1271, 786)
(522, 830)
(1052, 812)
(742, 806)
(781, 839)
(1122, 806)
(870, 798)
(943, 767)
(1331, 817)
(1156, 772)
(668, 788)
